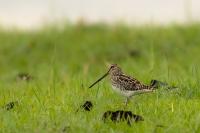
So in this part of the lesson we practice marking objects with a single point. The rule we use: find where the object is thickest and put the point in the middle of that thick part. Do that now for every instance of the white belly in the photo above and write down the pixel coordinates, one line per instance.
(124, 93)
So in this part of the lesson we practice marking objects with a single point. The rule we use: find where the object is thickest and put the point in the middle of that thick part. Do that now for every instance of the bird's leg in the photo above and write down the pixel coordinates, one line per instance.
(127, 100)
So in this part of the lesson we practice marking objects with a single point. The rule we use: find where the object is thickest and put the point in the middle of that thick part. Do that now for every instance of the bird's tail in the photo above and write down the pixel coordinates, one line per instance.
(148, 87)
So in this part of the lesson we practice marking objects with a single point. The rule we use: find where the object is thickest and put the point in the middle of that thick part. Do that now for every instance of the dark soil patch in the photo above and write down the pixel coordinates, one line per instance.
(65, 129)
(120, 115)
(157, 84)
(134, 53)
(24, 77)
(10, 105)
(87, 106)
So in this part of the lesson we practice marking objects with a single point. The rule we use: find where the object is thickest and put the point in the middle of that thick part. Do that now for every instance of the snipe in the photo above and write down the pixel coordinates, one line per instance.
(125, 85)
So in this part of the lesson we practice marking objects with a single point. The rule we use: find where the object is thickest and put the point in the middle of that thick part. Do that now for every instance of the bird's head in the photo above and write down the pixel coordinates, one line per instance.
(114, 70)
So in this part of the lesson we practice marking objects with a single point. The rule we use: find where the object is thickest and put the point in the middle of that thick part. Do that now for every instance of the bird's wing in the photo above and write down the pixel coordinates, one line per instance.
(131, 84)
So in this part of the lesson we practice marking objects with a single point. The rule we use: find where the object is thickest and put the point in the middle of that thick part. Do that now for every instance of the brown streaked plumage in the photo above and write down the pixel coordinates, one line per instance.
(124, 84)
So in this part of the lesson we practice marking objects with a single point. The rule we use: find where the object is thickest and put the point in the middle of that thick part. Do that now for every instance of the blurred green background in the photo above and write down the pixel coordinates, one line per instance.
(81, 48)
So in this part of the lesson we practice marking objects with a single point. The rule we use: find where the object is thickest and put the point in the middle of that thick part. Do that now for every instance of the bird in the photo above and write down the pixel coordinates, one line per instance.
(125, 85)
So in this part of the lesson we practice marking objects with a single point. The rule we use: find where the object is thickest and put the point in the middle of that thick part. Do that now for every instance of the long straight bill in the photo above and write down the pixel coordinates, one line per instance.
(99, 79)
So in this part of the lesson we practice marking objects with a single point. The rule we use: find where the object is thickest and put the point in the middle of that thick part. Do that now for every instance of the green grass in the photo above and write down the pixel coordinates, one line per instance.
(65, 61)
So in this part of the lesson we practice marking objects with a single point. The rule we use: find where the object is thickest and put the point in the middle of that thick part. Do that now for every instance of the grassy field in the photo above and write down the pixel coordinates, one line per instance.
(64, 61)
